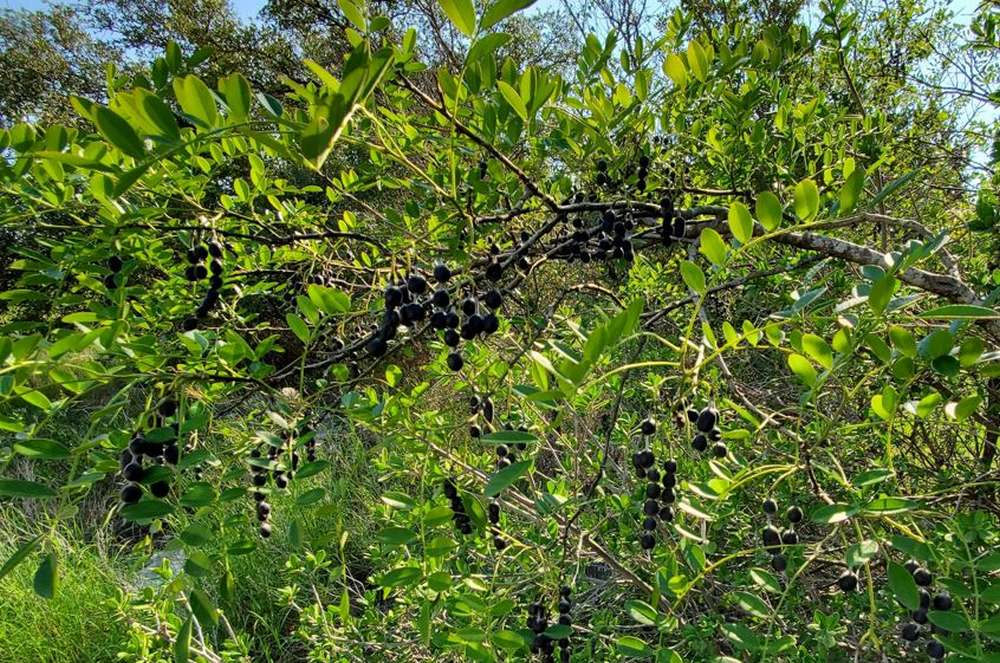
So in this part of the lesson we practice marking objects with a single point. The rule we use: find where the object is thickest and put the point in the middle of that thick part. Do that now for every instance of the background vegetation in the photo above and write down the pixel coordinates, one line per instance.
(724, 382)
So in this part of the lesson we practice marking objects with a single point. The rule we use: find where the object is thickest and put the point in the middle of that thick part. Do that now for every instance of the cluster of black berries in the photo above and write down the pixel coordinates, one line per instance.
(672, 226)
(115, 264)
(461, 518)
(493, 515)
(611, 240)
(775, 538)
(139, 448)
(538, 622)
(196, 271)
(913, 630)
(483, 407)
(659, 489)
(707, 423)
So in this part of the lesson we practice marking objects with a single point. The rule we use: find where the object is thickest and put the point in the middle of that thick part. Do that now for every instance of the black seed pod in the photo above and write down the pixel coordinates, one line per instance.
(707, 419)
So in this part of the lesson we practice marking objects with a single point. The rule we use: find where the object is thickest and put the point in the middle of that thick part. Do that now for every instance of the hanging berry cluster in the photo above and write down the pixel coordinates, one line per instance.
(659, 489)
(115, 264)
(672, 226)
(158, 453)
(912, 631)
(775, 538)
(404, 306)
(483, 407)
(707, 423)
(493, 515)
(196, 271)
(538, 623)
(461, 518)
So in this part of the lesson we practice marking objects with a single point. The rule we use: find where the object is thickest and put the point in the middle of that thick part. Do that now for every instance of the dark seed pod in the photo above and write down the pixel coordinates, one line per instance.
(393, 297)
(131, 493)
(647, 541)
(935, 649)
(469, 306)
(922, 577)
(653, 491)
(720, 450)
(265, 530)
(779, 563)
(653, 474)
(416, 284)
(451, 338)
(772, 537)
(494, 271)
(440, 298)
(667, 495)
(493, 511)
(692, 415)
(666, 514)
(770, 507)
(493, 299)
(678, 228)
(455, 361)
(794, 514)
(789, 537)
(670, 466)
(133, 472)
(848, 581)
(649, 523)
(699, 443)
(650, 507)
(115, 264)
(647, 427)
(160, 489)
(919, 616)
(707, 419)
(942, 601)
(200, 272)
(376, 347)
(442, 273)
(910, 632)
(669, 480)
(644, 459)
(215, 267)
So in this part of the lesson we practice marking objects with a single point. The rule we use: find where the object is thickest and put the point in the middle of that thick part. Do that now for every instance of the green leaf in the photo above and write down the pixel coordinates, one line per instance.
(952, 622)
(146, 509)
(203, 608)
(182, 644)
(768, 210)
(861, 553)
(353, 14)
(396, 536)
(936, 344)
(42, 449)
(47, 577)
(485, 46)
(903, 586)
(961, 312)
(501, 9)
(20, 488)
(802, 368)
(505, 477)
(298, 326)
(119, 132)
(19, 556)
(461, 13)
(740, 222)
(509, 640)
(693, 277)
(514, 99)
(674, 67)
(752, 604)
(239, 97)
(881, 293)
(818, 349)
(631, 647)
(196, 100)
(713, 247)
(833, 513)
(806, 200)
(642, 612)
(851, 191)
(509, 437)
(697, 60)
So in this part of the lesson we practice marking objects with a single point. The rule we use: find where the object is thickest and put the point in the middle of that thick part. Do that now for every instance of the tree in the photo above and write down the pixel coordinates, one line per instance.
(686, 352)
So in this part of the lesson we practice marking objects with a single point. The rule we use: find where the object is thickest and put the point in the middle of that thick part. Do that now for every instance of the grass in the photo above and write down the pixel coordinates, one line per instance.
(76, 624)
